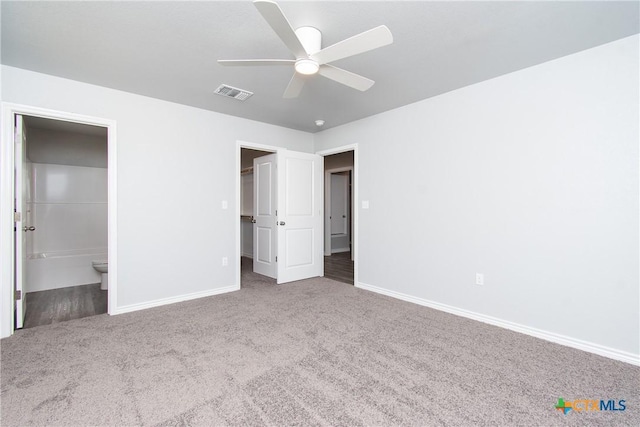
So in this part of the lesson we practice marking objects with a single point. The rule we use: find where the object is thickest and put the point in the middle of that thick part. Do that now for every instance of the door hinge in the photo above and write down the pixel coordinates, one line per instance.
(276, 259)
(17, 217)
(18, 295)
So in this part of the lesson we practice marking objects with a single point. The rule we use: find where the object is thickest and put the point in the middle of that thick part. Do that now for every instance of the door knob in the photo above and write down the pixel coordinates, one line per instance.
(281, 222)
(30, 228)
(253, 220)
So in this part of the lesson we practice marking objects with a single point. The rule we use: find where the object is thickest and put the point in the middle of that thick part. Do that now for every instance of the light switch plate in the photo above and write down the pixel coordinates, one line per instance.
(225, 204)
(365, 204)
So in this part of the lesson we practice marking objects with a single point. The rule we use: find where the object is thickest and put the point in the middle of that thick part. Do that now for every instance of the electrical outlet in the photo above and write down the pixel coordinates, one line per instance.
(225, 261)
(479, 279)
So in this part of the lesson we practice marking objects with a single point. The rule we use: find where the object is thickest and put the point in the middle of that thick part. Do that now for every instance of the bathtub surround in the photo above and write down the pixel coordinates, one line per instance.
(63, 269)
(314, 352)
(70, 208)
(69, 211)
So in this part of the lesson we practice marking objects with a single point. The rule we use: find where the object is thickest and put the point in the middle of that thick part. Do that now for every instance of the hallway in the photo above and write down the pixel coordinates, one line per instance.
(339, 267)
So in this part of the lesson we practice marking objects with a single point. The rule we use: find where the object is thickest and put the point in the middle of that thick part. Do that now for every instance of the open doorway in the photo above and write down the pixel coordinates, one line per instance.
(64, 187)
(287, 219)
(14, 204)
(339, 216)
(248, 277)
(13, 221)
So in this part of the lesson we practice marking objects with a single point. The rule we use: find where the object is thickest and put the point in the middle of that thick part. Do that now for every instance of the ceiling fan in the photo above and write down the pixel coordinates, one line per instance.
(306, 45)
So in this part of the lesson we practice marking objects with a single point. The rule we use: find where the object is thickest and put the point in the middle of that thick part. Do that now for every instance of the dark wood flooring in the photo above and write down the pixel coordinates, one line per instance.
(59, 305)
(339, 267)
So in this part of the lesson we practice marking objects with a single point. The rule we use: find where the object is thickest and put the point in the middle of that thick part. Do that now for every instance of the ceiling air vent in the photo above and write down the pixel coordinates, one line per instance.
(233, 92)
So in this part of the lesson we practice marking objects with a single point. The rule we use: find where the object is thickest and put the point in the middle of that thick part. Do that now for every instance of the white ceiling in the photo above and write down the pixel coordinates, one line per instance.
(168, 50)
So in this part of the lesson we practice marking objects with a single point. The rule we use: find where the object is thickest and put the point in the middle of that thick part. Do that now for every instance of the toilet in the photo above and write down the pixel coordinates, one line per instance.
(102, 267)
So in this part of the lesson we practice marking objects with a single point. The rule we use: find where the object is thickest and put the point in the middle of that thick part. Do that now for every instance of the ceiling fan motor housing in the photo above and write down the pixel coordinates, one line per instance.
(311, 39)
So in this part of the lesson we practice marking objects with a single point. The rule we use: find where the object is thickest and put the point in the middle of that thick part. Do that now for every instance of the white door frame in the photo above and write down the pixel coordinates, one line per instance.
(7, 190)
(327, 206)
(239, 146)
(354, 209)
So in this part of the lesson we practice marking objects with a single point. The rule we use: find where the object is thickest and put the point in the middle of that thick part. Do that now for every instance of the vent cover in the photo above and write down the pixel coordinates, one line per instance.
(233, 92)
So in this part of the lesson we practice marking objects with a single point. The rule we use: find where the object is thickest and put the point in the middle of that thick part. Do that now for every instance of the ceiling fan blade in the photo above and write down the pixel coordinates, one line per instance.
(243, 62)
(272, 13)
(294, 87)
(345, 77)
(363, 42)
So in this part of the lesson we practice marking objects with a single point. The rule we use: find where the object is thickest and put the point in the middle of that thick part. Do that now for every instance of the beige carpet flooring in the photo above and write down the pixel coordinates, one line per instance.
(314, 352)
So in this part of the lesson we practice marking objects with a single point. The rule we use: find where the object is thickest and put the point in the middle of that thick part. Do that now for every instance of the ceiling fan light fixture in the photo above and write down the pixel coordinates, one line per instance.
(306, 66)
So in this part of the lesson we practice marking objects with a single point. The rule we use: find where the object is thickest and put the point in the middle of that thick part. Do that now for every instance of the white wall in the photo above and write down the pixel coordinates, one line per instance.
(175, 166)
(530, 178)
(69, 208)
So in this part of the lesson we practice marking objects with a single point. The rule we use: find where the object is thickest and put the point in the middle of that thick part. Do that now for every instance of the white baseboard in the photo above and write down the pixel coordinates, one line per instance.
(172, 300)
(248, 255)
(339, 250)
(590, 347)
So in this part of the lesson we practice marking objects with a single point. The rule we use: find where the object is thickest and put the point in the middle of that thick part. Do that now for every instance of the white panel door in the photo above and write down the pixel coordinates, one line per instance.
(264, 215)
(21, 226)
(339, 203)
(300, 216)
